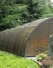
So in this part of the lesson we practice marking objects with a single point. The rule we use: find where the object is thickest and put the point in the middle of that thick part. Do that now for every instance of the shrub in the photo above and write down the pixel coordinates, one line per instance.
(41, 56)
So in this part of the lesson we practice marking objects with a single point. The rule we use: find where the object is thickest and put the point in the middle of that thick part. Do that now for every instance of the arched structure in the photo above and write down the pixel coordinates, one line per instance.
(28, 39)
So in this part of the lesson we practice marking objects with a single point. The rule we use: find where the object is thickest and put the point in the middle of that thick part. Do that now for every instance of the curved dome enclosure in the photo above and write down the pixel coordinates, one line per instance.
(28, 39)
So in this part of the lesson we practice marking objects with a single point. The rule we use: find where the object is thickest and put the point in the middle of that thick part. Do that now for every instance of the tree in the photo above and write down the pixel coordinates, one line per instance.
(46, 8)
(4, 11)
(13, 12)
(34, 10)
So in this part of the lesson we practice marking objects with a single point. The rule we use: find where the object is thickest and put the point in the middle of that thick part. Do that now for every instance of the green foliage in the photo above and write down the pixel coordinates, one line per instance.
(8, 60)
(12, 15)
(15, 9)
(34, 10)
(20, 1)
(46, 9)
(9, 2)
(41, 56)
(47, 15)
(11, 20)
(18, 12)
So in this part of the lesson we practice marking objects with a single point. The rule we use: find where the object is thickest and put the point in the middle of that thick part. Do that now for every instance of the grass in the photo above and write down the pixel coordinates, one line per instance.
(8, 60)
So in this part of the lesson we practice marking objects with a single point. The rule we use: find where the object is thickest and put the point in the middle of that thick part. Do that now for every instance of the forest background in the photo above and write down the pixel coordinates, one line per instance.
(18, 12)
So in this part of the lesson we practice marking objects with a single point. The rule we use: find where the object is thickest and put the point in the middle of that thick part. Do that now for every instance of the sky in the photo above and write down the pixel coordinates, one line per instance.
(51, 0)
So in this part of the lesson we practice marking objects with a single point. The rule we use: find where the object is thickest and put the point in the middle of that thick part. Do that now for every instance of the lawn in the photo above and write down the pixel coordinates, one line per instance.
(8, 60)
